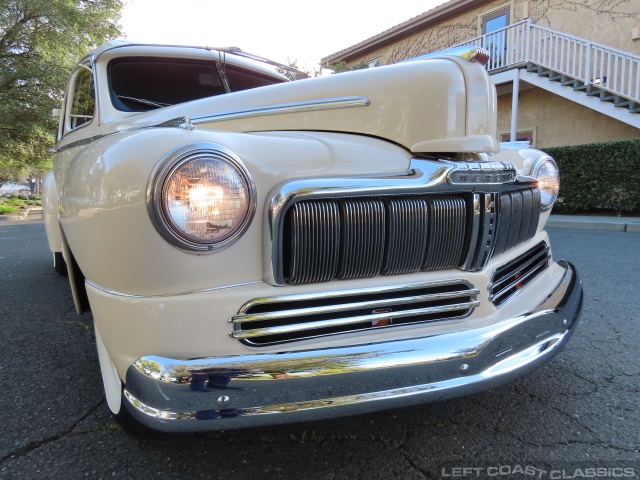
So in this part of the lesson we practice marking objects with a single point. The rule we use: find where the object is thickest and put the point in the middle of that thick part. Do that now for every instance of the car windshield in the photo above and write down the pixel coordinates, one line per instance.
(141, 84)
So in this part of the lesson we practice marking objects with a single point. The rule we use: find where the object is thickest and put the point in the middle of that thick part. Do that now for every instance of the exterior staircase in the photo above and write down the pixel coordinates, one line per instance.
(594, 75)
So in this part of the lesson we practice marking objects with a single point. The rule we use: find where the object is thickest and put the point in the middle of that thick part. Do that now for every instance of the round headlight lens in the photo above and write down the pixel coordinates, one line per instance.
(546, 172)
(204, 198)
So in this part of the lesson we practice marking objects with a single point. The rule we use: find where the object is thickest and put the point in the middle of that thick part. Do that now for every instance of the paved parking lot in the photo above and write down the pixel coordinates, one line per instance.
(579, 412)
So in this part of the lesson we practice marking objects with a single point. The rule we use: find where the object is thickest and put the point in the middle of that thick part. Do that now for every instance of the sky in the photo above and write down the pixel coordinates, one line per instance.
(282, 30)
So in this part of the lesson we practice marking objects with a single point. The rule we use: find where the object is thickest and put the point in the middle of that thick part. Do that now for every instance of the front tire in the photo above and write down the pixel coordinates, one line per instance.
(59, 265)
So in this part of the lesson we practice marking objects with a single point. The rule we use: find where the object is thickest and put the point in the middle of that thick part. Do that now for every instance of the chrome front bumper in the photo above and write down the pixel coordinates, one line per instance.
(220, 393)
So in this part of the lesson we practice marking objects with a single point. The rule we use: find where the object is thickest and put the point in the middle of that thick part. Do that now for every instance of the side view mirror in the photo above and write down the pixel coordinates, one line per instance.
(56, 112)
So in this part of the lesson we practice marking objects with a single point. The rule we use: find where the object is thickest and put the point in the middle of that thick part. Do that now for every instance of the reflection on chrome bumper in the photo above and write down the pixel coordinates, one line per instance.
(221, 393)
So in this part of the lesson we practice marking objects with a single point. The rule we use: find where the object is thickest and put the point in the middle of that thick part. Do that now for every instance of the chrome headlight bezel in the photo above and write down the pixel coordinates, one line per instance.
(162, 173)
(540, 162)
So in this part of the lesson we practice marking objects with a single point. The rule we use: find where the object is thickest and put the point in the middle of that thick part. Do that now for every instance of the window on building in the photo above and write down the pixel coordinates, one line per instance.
(522, 136)
(495, 40)
(374, 63)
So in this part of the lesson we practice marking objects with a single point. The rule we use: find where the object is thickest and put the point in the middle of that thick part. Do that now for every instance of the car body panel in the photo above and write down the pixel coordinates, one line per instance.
(378, 141)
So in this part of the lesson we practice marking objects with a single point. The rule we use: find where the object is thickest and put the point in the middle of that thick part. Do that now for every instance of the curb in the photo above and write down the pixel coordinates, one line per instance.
(581, 222)
(33, 213)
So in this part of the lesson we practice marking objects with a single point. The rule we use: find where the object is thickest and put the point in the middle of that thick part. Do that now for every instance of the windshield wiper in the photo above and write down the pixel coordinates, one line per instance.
(142, 101)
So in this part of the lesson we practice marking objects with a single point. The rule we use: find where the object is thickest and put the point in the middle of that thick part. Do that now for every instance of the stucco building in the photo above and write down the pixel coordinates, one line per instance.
(567, 71)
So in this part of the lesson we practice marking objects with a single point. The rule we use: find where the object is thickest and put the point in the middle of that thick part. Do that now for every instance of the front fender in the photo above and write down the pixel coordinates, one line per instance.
(50, 212)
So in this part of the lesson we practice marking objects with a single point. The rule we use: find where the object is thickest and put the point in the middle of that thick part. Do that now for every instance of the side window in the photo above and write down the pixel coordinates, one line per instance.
(83, 100)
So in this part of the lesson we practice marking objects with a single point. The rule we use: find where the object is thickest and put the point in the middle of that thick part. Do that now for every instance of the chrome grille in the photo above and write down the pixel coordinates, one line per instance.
(265, 321)
(509, 279)
(518, 216)
(358, 238)
(349, 238)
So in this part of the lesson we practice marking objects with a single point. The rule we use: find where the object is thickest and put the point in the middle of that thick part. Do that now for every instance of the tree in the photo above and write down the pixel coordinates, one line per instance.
(342, 67)
(40, 41)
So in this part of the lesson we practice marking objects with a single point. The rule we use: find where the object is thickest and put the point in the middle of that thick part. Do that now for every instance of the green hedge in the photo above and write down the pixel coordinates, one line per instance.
(599, 175)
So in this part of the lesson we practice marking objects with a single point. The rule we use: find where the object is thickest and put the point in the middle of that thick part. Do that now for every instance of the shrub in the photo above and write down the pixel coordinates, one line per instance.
(599, 175)
(6, 209)
(14, 201)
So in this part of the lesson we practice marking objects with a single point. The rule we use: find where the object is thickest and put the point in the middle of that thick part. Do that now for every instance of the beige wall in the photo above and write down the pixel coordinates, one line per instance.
(609, 22)
(438, 37)
(559, 122)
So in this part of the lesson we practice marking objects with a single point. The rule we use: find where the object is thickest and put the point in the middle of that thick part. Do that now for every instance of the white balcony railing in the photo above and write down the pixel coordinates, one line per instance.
(590, 63)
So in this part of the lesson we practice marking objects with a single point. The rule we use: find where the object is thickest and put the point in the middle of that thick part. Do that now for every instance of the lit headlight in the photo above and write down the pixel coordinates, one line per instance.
(546, 172)
(201, 197)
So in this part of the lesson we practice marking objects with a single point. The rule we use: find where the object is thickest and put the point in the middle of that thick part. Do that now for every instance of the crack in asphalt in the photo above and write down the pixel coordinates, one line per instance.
(424, 474)
(22, 451)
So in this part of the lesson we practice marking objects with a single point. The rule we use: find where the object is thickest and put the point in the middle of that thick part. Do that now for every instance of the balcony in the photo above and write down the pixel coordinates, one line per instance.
(590, 68)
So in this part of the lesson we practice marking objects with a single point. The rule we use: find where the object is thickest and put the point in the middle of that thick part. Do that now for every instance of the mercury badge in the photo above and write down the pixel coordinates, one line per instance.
(482, 173)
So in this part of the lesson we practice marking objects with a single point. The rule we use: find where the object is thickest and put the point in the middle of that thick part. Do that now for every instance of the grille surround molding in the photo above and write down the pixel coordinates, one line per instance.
(424, 177)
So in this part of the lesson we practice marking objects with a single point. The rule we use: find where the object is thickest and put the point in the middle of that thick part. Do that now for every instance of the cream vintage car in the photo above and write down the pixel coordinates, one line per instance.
(258, 248)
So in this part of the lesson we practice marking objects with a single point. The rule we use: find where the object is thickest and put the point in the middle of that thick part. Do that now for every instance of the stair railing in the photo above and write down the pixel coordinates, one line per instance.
(590, 63)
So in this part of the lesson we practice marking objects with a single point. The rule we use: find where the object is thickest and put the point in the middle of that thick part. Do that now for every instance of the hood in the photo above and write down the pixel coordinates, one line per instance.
(435, 105)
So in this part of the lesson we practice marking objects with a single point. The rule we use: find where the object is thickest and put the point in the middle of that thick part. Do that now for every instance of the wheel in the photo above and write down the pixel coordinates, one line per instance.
(59, 265)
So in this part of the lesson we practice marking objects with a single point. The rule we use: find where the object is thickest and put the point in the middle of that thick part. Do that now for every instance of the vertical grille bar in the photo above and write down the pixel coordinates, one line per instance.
(362, 243)
(315, 240)
(504, 222)
(475, 245)
(446, 236)
(407, 224)
(535, 213)
(518, 217)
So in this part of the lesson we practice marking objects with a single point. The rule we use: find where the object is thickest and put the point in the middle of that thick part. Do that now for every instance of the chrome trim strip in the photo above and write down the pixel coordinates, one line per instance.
(475, 228)
(299, 297)
(257, 389)
(337, 322)
(78, 143)
(487, 241)
(283, 108)
(343, 307)
(189, 292)
(532, 273)
(538, 263)
(536, 259)
(275, 109)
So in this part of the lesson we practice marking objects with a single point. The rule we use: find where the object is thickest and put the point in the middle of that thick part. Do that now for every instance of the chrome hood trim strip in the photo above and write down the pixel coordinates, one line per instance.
(281, 108)
(275, 109)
